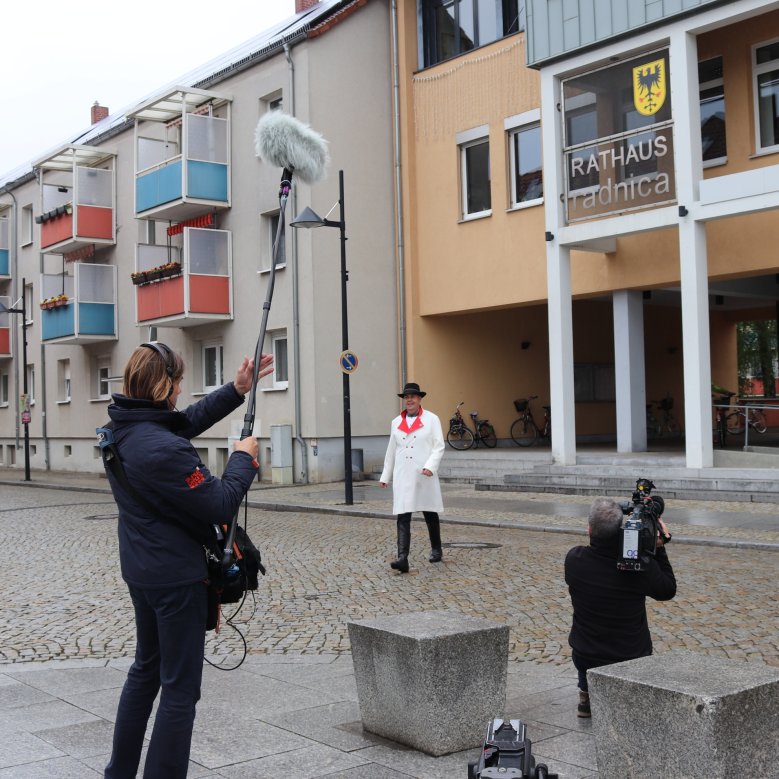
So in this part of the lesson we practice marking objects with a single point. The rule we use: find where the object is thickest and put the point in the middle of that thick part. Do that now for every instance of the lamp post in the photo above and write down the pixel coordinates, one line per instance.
(309, 219)
(25, 415)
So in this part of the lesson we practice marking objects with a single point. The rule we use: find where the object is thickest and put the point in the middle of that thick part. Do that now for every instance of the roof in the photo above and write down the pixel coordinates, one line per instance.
(261, 46)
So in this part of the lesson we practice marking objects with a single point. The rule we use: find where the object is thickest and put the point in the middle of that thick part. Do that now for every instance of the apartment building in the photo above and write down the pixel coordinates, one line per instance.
(159, 222)
(589, 207)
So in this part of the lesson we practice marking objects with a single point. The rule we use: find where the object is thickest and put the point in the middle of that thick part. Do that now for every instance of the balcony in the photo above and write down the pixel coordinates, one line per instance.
(77, 200)
(5, 328)
(79, 309)
(182, 142)
(190, 287)
(5, 270)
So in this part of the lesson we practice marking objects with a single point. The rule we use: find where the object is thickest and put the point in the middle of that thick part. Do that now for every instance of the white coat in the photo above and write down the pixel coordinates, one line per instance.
(407, 454)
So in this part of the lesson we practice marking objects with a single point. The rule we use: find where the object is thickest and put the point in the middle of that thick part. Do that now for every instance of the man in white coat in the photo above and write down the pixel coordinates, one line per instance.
(414, 452)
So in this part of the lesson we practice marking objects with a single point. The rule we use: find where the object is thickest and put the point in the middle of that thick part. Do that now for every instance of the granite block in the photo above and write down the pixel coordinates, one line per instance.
(430, 680)
(683, 714)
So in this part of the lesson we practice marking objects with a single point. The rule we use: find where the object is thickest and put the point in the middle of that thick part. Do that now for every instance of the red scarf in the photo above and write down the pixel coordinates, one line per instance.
(415, 425)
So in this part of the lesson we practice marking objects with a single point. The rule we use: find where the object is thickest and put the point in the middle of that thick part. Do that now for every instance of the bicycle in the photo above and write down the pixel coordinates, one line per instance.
(461, 437)
(720, 400)
(525, 430)
(737, 420)
(667, 423)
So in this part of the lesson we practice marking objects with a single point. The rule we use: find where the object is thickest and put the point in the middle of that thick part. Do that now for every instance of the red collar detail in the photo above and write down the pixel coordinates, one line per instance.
(416, 424)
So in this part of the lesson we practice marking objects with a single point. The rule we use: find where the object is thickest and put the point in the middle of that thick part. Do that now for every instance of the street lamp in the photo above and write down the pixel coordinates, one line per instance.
(25, 416)
(309, 219)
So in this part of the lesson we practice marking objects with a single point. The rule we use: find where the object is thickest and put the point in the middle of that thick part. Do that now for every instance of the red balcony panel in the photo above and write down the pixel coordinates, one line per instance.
(209, 294)
(161, 299)
(60, 228)
(5, 340)
(94, 222)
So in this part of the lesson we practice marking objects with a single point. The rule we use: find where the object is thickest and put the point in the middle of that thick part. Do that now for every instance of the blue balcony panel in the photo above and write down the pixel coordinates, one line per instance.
(96, 319)
(207, 180)
(3, 262)
(158, 187)
(58, 322)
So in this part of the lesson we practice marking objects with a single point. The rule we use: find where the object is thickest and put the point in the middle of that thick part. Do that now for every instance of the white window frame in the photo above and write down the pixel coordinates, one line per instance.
(63, 381)
(5, 383)
(102, 364)
(275, 338)
(218, 348)
(514, 125)
(269, 229)
(31, 384)
(710, 84)
(467, 140)
(757, 70)
(28, 220)
(28, 302)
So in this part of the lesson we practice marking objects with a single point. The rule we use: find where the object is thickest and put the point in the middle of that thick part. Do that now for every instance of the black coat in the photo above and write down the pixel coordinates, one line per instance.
(165, 549)
(609, 605)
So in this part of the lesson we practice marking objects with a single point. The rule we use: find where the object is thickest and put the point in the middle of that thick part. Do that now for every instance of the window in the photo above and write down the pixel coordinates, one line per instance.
(271, 226)
(593, 383)
(452, 27)
(712, 96)
(102, 378)
(213, 354)
(527, 184)
(27, 223)
(28, 306)
(765, 66)
(31, 384)
(63, 380)
(475, 172)
(3, 389)
(279, 351)
(275, 104)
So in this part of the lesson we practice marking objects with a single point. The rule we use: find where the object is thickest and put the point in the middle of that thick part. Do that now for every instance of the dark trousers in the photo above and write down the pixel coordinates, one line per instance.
(583, 664)
(433, 529)
(171, 627)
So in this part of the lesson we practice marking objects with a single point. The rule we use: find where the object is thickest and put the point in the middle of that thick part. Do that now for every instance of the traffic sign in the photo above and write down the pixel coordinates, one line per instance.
(348, 361)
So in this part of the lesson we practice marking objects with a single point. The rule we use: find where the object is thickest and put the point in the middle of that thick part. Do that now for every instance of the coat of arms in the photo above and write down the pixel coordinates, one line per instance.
(649, 87)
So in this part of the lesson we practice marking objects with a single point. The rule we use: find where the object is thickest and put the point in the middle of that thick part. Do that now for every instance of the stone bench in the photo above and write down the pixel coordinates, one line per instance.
(683, 714)
(430, 680)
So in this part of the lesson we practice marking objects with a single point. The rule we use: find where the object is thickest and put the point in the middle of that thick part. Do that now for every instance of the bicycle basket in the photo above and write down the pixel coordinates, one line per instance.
(666, 404)
(520, 405)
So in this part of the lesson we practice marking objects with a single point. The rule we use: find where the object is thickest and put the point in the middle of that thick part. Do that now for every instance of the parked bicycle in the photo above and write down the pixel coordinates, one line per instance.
(666, 423)
(737, 420)
(461, 437)
(721, 400)
(525, 430)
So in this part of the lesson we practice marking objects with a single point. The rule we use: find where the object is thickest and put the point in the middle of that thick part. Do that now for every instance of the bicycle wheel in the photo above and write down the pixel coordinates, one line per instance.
(733, 423)
(524, 432)
(460, 438)
(757, 420)
(487, 435)
(671, 425)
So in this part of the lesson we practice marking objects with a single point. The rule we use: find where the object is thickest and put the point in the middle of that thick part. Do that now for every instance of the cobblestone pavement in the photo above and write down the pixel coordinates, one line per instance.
(64, 598)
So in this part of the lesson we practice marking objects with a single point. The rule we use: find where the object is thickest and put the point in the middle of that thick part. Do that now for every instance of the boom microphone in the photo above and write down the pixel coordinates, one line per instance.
(286, 142)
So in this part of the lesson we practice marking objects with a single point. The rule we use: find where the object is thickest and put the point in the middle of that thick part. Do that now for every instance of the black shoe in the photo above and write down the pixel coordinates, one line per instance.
(583, 709)
(435, 556)
(401, 564)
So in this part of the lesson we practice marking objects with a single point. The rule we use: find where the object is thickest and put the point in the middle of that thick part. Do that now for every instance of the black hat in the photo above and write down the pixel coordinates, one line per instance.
(412, 389)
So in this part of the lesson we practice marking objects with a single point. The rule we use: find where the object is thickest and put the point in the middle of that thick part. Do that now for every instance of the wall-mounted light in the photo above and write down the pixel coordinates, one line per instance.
(719, 300)
(683, 211)
(525, 344)
(549, 236)
(647, 294)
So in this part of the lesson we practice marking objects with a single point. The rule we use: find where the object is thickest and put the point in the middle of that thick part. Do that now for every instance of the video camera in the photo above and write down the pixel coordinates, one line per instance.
(638, 534)
(506, 754)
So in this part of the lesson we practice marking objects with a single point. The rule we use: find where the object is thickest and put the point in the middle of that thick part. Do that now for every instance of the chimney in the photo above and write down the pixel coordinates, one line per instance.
(99, 112)
(304, 5)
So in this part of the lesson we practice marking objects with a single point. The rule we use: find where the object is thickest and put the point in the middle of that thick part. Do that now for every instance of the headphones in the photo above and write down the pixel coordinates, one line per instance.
(167, 358)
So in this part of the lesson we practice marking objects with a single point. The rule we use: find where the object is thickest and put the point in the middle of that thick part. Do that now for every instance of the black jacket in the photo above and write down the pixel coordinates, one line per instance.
(609, 605)
(164, 549)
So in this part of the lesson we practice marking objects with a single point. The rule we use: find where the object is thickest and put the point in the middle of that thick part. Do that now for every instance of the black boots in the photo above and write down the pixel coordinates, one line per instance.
(434, 531)
(404, 543)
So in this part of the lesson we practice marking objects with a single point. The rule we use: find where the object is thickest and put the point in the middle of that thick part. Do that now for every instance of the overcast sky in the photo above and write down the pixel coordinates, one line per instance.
(60, 58)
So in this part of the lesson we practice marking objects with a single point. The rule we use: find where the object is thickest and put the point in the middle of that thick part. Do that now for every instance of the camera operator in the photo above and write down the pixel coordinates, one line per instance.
(609, 605)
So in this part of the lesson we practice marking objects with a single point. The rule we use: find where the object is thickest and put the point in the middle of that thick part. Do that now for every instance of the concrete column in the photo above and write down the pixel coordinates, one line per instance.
(692, 251)
(558, 265)
(629, 373)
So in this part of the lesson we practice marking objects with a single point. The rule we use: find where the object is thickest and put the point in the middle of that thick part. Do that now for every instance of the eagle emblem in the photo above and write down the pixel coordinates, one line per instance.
(649, 87)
